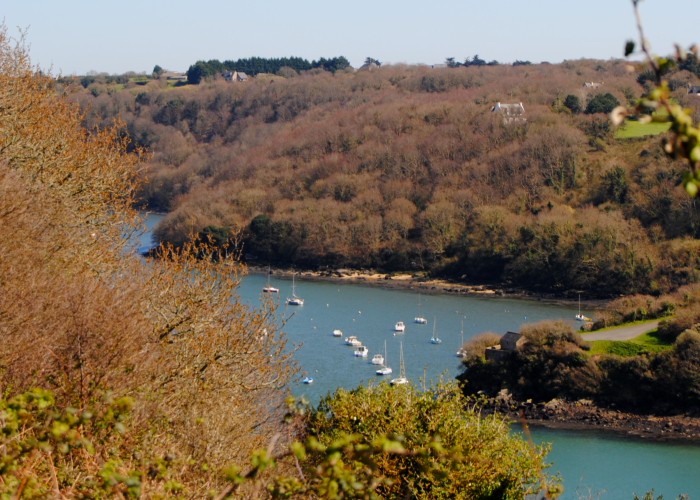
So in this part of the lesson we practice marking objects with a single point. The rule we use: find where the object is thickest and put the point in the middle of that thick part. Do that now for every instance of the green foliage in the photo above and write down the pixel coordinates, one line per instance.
(602, 103)
(644, 375)
(197, 72)
(272, 242)
(47, 451)
(333, 64)
(657, 105)
(573, 103)
(423, 445)
(255, 65)
(615, 186)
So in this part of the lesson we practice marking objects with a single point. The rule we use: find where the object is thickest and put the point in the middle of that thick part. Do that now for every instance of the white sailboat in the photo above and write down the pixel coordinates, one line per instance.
(461, 352)
(420, 319)
(580, 316)
(401, 379)
(385, 369)
(268, 288)
(435, 339)
(294, 300)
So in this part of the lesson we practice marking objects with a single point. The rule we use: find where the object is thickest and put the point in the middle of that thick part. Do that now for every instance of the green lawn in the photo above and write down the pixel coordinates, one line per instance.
(647, 342)
(632, 129)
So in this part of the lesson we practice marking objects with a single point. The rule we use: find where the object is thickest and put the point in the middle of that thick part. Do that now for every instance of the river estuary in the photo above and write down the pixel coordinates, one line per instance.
(593, 465)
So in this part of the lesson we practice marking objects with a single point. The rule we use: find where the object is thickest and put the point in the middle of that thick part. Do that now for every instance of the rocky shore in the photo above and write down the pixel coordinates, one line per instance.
(420, 284)
(584, 415)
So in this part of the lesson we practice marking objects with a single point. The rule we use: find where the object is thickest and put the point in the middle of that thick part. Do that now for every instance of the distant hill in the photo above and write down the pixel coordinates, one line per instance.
(407, 168)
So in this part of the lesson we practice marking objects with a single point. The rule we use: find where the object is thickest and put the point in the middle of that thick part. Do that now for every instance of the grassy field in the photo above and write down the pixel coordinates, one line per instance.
(632, 129)
(648, 342)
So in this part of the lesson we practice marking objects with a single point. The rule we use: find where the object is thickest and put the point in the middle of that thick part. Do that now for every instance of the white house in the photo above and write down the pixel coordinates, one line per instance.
(511, 112)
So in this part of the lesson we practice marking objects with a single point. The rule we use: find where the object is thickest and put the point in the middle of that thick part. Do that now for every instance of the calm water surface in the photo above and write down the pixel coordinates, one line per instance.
(593, 465)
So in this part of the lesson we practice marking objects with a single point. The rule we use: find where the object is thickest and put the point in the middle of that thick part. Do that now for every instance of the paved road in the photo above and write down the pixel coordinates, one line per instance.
(622, 333)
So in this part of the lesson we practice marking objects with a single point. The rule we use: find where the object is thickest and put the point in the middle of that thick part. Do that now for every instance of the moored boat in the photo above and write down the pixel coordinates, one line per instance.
(294, 300)
(377, 359)
(401, 379)
(353, 341)
(361, 351)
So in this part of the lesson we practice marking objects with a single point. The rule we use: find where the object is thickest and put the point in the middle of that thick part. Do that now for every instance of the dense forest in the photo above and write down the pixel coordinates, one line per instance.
(406, 168)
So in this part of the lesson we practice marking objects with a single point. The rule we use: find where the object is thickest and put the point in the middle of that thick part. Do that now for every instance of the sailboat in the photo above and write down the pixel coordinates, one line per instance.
(294, 300)
(268, 288)
(420, 319)
(580, 316)
(401, 379)
(435, 339)
(461, 352)
(385, 369)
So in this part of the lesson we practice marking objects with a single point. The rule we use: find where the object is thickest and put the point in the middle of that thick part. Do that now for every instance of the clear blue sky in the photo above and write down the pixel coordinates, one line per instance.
(80, 36)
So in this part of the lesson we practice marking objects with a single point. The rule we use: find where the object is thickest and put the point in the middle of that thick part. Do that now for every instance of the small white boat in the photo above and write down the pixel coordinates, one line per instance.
(580, 316)
(384, 370)
(399, 327)
(377, 359)
(461, 353)
(401, 379)
(268, 288)
(294, 300)
(435, 339)
(337, 333)
(353, 341)
(361, 351)
(420, 319)
(308, 380)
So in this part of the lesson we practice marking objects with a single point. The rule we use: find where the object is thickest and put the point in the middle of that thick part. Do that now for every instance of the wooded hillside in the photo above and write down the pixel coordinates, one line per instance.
(407, 169)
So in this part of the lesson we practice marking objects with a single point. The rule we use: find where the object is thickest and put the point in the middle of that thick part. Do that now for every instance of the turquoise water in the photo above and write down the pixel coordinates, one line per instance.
(370, 314)
(593, 465)
(601, 465)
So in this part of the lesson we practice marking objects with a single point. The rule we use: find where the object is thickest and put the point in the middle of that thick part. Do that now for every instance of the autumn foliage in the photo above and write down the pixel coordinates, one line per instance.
(82, 316)
(407, 169)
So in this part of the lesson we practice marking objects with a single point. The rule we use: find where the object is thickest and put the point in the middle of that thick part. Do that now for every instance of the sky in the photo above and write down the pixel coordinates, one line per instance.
(77, 37)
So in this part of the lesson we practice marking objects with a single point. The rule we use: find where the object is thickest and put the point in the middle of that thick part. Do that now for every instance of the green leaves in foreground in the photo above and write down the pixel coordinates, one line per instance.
(397, 442)
(50, 452)
(657, 105)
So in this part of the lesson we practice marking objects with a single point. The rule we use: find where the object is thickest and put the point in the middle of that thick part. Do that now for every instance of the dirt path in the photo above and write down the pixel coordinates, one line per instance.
(622, 333)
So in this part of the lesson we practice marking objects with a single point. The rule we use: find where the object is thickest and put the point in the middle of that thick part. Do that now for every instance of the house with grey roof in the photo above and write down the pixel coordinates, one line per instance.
(509, 343)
